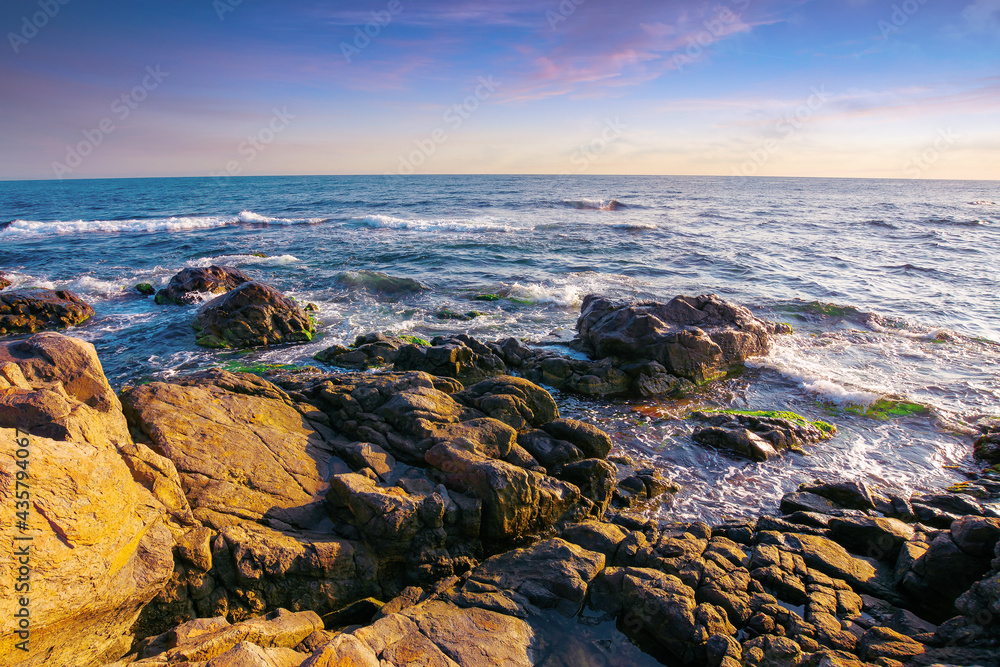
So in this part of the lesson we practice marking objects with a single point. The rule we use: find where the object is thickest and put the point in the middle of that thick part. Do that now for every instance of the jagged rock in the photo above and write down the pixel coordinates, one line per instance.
(99, 548)
(370, 351)
(252, 315)
(29, 310)
(987, 445)
(592, 441)
(514, 401)
(192, 284)
(595, 478)
(832, 559)
(696, 338)
(343, 651)
(595, 536)
(935, 576)
(887, 643)
(846, 494)
(875, 537)
(759, 438)
(461, 357)
(5, 281)
(515, 501)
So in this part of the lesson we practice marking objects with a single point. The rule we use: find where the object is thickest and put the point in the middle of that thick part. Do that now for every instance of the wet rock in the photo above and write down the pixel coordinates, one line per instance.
(976, 536)
(193, 284)
(696, 338)
(832, 559)
(757, 437)
(252, 315)
(145, 289)
(5, 281)
(547, 450)
(987, 445)
(590, 378)
(941, 573)
(592, 441)
(380, 283)
(595, 478)
(803, 501)
(595, 536)
(29, 310)
(461, 357)
(847, 494)
(369, 351)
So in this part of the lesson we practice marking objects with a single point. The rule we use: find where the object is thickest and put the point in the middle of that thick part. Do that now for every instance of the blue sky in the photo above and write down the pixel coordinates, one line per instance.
(860, 88)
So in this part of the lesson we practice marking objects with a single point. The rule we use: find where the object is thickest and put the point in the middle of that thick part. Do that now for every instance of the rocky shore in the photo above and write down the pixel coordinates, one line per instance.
(441, 511)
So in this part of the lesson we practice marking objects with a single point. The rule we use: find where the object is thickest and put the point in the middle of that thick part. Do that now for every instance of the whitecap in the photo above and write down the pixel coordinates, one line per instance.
(240, 260)
(487, 224)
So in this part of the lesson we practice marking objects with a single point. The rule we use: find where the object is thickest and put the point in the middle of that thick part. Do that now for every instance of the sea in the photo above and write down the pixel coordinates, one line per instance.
(892, 287)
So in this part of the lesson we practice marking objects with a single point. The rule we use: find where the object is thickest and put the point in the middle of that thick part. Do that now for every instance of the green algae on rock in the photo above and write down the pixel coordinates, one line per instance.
(252, 315)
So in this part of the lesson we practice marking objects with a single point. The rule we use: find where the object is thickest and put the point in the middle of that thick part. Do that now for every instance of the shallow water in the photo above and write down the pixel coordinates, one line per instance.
(891, 286)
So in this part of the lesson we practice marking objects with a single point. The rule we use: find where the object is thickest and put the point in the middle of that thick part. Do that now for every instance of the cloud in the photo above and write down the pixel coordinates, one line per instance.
(983, 16)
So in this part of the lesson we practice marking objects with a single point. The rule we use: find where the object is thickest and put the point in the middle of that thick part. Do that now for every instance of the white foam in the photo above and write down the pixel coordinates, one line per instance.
(240, 260)
(635, 226)
(32, 228)
(487, 224)
(255, 218)
(559, 295)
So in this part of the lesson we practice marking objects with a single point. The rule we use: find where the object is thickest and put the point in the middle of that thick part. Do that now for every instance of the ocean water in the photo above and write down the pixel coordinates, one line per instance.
(892, 286)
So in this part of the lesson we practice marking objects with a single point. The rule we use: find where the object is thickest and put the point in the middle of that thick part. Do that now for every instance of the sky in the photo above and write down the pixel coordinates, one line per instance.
(819, 88)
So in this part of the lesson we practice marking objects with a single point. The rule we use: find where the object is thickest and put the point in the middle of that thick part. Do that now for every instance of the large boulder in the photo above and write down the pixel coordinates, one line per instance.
(194, 284)
(696, 338)
(92, 545)
(252, 315)
(29, 310)
(461, 357)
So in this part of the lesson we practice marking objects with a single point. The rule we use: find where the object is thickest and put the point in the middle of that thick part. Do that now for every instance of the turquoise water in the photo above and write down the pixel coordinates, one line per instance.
(892, 287)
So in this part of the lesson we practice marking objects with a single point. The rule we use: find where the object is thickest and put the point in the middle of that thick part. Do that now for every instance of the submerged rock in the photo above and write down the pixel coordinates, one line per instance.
(252, 315)
(380, 283)
(145, 289)
(29, 310)
(190, 285)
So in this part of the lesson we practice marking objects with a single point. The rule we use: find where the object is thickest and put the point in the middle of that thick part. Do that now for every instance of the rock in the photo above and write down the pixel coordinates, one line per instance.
(207, 639)
(252, 315)
(939, 575)
(369, 351)
(592, 441)
(887, 643)
(553, 574)
(461, 357)
(5, 281)
(832, 559)
(511, 400)
(847, 494)
(878, 538)
(29, 310)
(596, 536)
(343, 651)
(976, 536)
(595, 478)
(191, 285)
(99, 549)
(380, 283)
(755, 436)
(590, 378)
(515, 501)
(448, 314)
(547, 450)
(696, 338)
(241, 448)
(987, 445)
(803, 501)
(439, 634)
(145, 289)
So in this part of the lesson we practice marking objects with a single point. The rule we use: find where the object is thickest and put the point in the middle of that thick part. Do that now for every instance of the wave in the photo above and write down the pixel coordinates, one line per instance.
(636, 226)
(537, 294)
(435, 225)
(240, 260)
(595, 204)
(982, 202)
(31, 228)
